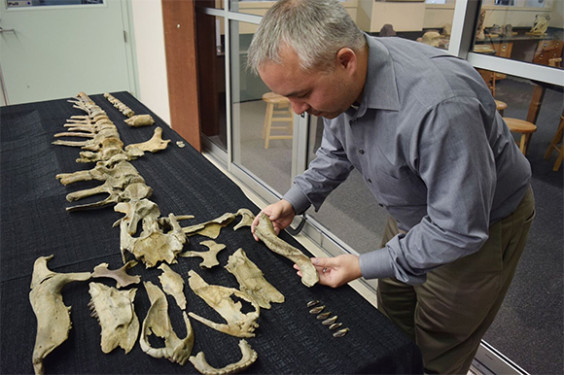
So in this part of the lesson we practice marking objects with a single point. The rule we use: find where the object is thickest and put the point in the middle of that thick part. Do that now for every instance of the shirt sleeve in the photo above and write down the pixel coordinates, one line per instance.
(327, 171)
(454, 159)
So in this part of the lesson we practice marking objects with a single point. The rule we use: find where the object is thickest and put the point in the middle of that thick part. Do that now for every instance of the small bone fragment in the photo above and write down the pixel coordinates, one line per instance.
(248, 357)
(120, 275)
(209, 257)
(329, 321)
(115, 313)
(335, 326)
(219, 298)
(210, 228)
(317, 310)
(140, 120)
(265, 232)
(180, 144)
(173, 285)
(157, 322)
(247, 218)
(252, 281)
(341, 332)
(119, 105)
(156, 143)
(53, 317)
(313, 303)
(323, 316)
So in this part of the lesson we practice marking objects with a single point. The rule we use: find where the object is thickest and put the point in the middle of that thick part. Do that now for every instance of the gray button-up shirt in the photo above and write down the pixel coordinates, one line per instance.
(433, 151)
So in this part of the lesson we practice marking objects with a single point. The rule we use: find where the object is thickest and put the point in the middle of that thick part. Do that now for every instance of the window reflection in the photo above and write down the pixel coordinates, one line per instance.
(532, 32)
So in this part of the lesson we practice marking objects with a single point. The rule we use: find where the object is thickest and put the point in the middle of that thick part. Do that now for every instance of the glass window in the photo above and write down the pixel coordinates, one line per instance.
(531, 32)
(262, 123)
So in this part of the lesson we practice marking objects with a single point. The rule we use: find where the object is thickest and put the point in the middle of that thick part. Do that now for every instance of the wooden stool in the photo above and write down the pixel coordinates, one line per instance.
(558, 145)
(525, 128)
(500, 106)
(278, 109)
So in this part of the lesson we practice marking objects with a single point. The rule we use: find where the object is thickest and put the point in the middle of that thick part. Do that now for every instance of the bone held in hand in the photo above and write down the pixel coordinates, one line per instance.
(265, 232)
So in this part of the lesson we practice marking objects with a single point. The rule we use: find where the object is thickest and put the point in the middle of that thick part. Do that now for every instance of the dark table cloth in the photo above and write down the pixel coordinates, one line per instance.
(34, 223)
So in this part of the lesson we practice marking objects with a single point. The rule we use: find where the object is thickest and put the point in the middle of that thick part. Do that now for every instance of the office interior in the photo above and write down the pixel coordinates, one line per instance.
(219, 107)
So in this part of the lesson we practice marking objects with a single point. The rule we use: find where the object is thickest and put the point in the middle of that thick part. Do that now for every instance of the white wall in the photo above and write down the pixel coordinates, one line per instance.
(150, 55)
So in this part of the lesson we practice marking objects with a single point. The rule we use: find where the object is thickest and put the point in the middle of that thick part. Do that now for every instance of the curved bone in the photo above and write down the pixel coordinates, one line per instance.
(140, 120)
(252, 281)
(156, 143)
(157, 322)
(247, 218)
(265, 232)
(173, 285)
(134, 191)
(120, 275)
(209, 257)
(115, 313)
(248, 357)
(53, 317)
(210, 228)
(220, 299)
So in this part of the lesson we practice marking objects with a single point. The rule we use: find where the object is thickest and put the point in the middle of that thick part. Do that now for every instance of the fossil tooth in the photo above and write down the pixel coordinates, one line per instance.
(329, 321)
(341, 332)
(335, 326)
(324, 315)
(317, 310)
(313, 303)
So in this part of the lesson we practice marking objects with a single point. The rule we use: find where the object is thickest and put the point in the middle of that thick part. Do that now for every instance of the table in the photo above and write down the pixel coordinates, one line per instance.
(34, 223)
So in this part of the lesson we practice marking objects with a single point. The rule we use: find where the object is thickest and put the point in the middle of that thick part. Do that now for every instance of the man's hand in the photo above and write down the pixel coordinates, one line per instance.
(280, 214)
(336, 271)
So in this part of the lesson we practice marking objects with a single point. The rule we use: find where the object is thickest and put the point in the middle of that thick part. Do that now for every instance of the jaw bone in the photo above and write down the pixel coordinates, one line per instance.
(252, 281)
(220, 299)
(248, 357)
(265, 232)
(53, 317)
(116, 315)
(157, 322)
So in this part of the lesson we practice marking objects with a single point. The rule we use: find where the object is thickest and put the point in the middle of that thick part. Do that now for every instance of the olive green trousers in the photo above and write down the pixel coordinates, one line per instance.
(448, 315)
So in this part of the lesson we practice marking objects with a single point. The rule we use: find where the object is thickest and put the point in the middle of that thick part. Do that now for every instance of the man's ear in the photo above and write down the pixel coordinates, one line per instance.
(346, 58)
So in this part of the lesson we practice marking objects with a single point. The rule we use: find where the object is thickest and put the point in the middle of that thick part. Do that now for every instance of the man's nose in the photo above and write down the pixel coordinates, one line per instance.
(299, 107)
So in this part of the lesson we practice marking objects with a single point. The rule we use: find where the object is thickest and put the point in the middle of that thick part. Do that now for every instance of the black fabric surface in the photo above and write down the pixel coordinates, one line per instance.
(34, 223)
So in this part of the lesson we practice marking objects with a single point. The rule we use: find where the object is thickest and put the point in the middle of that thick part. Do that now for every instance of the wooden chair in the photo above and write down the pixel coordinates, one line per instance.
(500, 106)
(557, 145)
(527, 127)
(278, 109)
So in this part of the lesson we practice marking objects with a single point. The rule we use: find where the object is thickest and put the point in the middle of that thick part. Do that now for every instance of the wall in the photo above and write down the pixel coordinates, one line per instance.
(150, 55)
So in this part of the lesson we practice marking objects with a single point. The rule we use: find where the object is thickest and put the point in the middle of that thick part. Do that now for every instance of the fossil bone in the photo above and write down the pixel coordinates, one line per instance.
(119, 105)
(247, 218)
(156, 143)
(133, 191)
(219, 298)
(252, 281)
(140, 120)
(209, 257)
(115, 313)
(265, 232)
(341, 332)
(157, 322)
(100, 172)
(120, 275)
(173, 285)
(248, 357)
(210, 228)
(53, 317)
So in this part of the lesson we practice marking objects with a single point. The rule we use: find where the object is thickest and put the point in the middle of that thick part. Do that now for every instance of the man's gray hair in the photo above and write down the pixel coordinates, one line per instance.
(315, 29)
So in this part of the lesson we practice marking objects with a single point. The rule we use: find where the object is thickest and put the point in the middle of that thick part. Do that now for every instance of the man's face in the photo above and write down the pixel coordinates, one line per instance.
(324, 94)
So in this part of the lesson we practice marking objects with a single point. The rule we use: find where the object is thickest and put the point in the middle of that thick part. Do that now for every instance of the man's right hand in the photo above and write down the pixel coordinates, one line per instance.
(280, 214)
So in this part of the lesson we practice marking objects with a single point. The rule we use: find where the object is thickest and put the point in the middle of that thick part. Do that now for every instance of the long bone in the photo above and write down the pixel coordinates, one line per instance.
(100, 172)
(265, 232)
(133, 191)
(95, 143)
(219, 298)
(112, 184)
(53, 317)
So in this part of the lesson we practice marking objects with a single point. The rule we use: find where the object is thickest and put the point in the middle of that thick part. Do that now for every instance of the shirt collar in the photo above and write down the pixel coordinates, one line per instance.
(380, 89)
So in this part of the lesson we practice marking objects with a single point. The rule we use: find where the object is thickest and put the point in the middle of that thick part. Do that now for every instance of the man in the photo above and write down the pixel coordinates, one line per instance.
(422, 128)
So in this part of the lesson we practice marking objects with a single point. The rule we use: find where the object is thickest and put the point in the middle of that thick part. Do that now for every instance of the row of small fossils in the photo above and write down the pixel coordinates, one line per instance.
(326, 318)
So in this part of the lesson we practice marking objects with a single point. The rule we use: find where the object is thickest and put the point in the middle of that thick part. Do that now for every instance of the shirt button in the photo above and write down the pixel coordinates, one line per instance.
(361, 151)
(369, 180)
